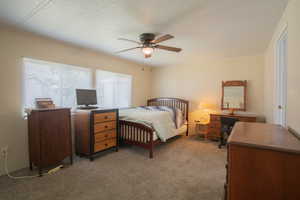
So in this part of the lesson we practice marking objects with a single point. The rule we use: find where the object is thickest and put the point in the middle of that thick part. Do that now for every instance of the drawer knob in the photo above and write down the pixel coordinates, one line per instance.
(105, 144)
(106, 135)
(105, 126)
(106, 117)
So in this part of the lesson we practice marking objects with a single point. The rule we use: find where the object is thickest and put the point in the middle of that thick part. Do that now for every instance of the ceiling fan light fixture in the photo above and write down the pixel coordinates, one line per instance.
(147, 50)
(149, 42)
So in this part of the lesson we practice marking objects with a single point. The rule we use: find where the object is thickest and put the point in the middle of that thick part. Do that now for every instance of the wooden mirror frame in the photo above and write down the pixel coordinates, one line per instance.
(234, 83)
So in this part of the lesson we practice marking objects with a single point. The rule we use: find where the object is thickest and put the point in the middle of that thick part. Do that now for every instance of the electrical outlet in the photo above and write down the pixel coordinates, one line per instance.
(4, 151)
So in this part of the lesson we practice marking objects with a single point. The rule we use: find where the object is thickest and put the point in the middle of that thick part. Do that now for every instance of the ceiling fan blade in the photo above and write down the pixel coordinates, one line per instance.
(168, 48)
(124, 50)
(147, 55)
(163, 38)
(124, 39)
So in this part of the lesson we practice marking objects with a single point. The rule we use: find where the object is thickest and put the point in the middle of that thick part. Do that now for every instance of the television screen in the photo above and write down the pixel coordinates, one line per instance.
(86, 97)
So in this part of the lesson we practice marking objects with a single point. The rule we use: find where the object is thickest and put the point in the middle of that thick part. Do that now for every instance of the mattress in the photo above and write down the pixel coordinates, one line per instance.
(180, 131)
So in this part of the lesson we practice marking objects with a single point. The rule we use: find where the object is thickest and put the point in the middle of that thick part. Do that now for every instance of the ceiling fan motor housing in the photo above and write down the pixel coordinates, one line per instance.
(146, 38)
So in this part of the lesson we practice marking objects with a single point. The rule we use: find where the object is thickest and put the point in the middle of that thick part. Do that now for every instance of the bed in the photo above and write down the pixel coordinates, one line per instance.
(135, 132)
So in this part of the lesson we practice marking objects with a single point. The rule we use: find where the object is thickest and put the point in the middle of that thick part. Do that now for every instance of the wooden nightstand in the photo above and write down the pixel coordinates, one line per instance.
(201, 129)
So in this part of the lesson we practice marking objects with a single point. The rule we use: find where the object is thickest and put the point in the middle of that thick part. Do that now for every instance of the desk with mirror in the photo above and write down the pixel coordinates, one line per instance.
(233, 99)
(214, 128)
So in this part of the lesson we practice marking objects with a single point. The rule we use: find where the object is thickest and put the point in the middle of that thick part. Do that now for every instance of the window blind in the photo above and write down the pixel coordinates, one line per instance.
(53, 80)
(113, 89)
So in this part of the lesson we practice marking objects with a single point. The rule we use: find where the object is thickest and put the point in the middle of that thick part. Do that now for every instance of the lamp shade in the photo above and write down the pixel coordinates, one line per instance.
(147, 50)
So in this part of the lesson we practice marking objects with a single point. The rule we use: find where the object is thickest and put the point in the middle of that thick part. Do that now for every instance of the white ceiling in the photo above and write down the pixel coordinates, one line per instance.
(201, 27)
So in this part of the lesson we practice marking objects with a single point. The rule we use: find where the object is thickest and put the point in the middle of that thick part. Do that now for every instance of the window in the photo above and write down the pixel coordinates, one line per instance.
(53, 80)
(59, 81)
(113, 89)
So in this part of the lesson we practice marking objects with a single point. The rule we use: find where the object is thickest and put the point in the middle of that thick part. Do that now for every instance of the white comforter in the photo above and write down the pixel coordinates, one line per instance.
(160, 121)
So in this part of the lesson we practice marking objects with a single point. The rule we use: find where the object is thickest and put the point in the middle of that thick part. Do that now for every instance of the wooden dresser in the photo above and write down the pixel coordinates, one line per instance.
(95, 131)
(214, 127)
(263, 163)
(49, 137)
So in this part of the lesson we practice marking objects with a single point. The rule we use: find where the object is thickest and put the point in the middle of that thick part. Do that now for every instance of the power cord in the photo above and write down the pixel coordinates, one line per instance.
(23, 177)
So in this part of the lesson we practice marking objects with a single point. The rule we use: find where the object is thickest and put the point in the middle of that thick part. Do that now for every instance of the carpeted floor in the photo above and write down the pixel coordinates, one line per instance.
(185, 168)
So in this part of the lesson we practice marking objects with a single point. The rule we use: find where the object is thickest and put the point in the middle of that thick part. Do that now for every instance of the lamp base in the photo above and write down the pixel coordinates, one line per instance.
(231, 111)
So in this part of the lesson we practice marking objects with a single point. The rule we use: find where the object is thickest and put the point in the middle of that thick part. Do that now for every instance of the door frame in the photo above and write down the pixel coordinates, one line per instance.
(281, 63)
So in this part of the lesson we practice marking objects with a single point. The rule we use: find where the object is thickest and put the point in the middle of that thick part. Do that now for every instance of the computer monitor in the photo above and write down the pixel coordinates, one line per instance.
(86, 97)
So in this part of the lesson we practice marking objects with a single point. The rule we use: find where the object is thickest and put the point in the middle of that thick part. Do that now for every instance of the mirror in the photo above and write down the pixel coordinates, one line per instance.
(234, 95)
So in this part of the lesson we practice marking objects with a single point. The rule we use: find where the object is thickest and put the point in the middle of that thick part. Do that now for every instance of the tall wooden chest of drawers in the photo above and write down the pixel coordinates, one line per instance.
(214, 127)
(49, 137)
(95, 131)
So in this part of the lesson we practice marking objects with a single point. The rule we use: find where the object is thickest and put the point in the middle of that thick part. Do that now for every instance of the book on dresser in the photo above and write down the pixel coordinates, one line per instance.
(95, 131)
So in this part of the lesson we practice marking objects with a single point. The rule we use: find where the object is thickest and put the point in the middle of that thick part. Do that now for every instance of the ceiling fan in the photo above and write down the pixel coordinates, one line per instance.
(148, 43)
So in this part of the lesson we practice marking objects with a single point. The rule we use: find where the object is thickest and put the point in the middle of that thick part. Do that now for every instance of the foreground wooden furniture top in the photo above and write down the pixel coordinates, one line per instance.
(49, 137)
(96, 131)
(263, 163)
(214, 128)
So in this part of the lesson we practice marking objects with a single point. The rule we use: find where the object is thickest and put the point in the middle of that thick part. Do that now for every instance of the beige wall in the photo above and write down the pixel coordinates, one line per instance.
(200, 82)
(291, 19)
(17, 44)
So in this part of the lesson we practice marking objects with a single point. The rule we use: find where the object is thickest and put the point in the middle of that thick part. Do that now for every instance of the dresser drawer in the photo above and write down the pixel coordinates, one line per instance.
(105, 135)
(247, 119)
(99, 146)
(104, 117)
(215, 125)
(214, 118)
(105, 126)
